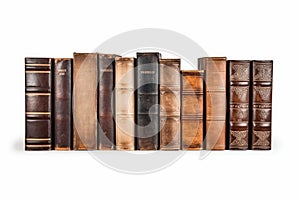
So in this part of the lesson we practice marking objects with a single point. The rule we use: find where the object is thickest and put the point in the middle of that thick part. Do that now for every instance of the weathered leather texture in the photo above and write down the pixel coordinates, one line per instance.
(215, 101)
(62, 92)
(85, 101)
(38, 130)
(170, 104)
(262, 75)
(192, 109)
(238, 91)
(147, 101)
(124, 103)
(106, 128)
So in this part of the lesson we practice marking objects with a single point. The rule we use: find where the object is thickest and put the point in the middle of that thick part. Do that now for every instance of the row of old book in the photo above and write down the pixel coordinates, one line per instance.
(104, 102)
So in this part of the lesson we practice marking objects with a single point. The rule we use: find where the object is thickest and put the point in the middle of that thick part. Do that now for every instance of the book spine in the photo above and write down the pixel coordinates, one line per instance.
(192, 109)
(62, 112)
(147, 100)
(38, 88)
(106, 128)
(261, 77)
(215, 101)
(85, 101)
(124, 106)
(238, 104)
(170, 104)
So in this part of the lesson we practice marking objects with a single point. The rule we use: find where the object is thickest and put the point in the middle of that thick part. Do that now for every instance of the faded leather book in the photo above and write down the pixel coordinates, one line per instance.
(192, 109)
(147, 100)
(238, 104)
(38, 88)
(170, 104)
(125, 106)
(62, 112)
(106, 128)
(85, 101)
(215, 101)
(261, 77)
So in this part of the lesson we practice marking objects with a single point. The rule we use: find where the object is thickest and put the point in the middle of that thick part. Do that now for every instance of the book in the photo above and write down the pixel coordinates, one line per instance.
(38, 106)
(261, 104)
(106, 128)
(147, 100)
(215, 101)
(125, 105)
(85, 81)
(238, 104)
(62, 107)
(170, 104)
(192, 109)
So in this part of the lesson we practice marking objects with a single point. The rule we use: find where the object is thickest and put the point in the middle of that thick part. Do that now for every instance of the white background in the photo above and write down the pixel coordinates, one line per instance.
(238, 30)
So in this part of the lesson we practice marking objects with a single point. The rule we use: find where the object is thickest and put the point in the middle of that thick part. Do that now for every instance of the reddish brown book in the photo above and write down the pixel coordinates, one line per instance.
(38, 94)
(192, 109)
(107, 127)
(215, 101)
(262, 75)
(238, 103)
(170, 104)
(62, 112)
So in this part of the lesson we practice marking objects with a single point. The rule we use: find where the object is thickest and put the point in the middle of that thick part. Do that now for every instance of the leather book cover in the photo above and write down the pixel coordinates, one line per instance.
(147, 100)
(261, 118)
(170, 104)
(238, 104)
(38, 88)
(192, 109)
(62, 111)
(85, 81)
(106, 128)
(215, 101)
(124, 103)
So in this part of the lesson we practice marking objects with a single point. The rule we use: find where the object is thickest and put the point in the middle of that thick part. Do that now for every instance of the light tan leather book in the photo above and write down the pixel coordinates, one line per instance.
(169, 104)
(85, 101)
(124, 98)
(215, 101)
(192, 109)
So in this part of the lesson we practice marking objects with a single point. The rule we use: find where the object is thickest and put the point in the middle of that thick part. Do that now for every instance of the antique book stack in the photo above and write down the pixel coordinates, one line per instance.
(97, 101)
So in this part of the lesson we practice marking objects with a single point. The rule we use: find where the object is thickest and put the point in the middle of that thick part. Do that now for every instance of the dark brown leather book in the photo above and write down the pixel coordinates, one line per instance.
(261, 77)
(192, 109)
(106, 128)
(124, 103)
(38, 88)
(62, 112)
(85, 101)
(215, 101)
(147, 100)
(170, 104)
(238, 103)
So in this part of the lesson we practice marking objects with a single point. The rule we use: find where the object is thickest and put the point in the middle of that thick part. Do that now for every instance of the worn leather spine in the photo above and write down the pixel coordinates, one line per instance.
(170, 104)
(192, 109)
(261, 118)
(106, 128)
(62, 112)
(147, 100)
(85, 101)
(238, 104)
(215, 101)
(124, 103)
(38, 106)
